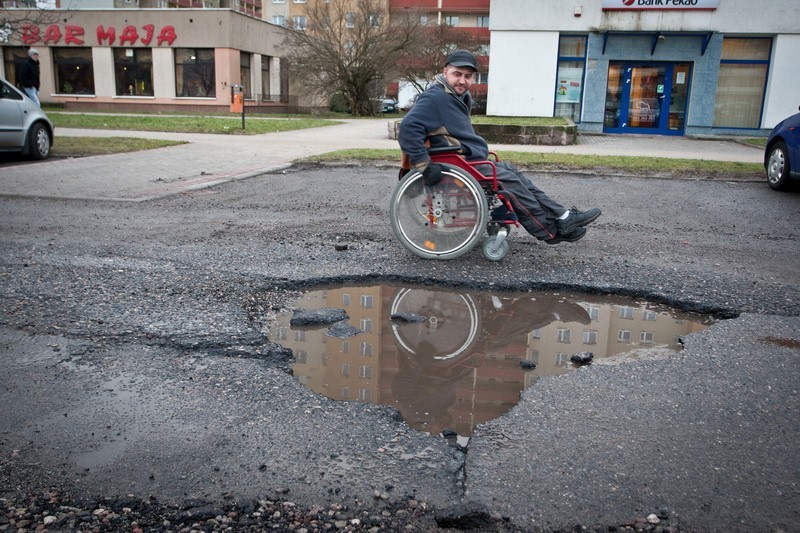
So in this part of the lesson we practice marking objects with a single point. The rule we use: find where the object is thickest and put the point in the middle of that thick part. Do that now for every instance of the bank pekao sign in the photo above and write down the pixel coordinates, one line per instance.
(623, 5)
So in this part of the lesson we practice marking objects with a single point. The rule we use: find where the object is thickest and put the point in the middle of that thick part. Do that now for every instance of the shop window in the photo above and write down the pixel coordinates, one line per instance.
(13, 56)
(265, 86)
(133, 71)
(74, 70)
(194, 72)
(742, 82)
(569, 81)
(244, 73)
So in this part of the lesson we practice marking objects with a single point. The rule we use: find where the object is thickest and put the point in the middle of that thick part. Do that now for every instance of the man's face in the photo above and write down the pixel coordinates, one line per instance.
(459, 78)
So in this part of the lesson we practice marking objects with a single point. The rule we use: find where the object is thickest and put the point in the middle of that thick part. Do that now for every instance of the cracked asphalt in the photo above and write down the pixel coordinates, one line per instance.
(134, 361)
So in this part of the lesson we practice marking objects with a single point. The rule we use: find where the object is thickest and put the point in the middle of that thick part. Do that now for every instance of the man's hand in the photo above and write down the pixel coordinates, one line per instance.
(432, 174)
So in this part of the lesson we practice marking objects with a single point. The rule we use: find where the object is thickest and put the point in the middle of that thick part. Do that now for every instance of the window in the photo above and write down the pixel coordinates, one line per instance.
(244, 73)
(350, 20)
(280, 335)
(302, 357)
(366, 325)
(279, 20)
(345, 299)
(299, 1)
(345, 346)
(742, 81)
(133, 71)
(13, 56)
(345, 393)
(569, 82)
(626, 312)
(649, 315)
(366, 301)
(562, 359)
(423, 20)
(74, 70)
(300, 336)
(366, 349)
(594, 312)
(646, 337)
(564, 335)
(374, 21)
(365, 372)
(451, 21)
(194, 72)
(536, 334)
(265, 81)
(345, 370)
(365, 395)
(623, 335)
(278, 1)
(589, 337)
(299, 22)
(483, 22)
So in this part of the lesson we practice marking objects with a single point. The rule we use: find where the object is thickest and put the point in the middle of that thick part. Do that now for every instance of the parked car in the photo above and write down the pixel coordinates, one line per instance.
(388, 105)
(782, 154)
(24, 127)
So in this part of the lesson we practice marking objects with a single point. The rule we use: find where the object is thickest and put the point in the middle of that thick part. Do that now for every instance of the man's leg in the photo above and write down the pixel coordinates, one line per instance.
(33, 94)
(537, 212)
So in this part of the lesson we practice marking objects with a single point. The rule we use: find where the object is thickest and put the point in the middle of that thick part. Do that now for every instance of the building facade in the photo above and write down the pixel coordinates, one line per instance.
(153, 58)
(671, 67)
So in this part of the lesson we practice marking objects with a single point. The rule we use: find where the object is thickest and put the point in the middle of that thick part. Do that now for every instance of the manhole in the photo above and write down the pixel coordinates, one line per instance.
(449, 359)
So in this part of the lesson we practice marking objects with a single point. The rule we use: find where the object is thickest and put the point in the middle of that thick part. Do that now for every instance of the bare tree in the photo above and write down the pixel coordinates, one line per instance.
(427, 58)
(16, 15)
(350, 47)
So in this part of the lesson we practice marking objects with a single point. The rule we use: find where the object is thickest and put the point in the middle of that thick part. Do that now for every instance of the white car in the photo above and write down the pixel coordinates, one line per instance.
(24, 127)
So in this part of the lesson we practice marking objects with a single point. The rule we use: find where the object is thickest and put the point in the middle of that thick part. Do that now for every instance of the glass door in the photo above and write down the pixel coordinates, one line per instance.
(646, 98)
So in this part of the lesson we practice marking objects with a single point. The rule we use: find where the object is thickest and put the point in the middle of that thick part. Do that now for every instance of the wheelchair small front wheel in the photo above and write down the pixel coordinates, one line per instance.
(443, 221)
(495, 247)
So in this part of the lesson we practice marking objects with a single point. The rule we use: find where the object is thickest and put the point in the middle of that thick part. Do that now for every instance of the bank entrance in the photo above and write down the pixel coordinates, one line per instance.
(647, 97)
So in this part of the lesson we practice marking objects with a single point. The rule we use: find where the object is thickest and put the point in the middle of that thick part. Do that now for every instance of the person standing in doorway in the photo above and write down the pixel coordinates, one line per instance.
(29, 76)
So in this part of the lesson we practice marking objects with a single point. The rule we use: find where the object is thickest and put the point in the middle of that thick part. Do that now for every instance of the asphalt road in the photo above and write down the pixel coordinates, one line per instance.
(133, 360)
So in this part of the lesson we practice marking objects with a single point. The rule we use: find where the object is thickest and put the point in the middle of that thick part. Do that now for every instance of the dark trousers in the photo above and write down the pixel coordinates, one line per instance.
(536, 211)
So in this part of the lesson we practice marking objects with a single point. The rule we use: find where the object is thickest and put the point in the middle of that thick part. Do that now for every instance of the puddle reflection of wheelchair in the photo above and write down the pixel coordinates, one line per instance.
(447, 220)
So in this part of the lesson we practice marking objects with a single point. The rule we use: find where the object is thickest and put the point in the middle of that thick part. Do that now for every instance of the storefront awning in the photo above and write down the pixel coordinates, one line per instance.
(660, 36)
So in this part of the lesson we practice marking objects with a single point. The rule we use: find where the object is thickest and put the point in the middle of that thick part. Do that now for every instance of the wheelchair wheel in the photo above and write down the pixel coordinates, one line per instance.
(444, 221)
(494, 252)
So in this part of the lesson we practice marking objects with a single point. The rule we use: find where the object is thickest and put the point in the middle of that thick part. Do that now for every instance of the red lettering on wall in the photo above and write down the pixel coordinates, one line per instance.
(74, 35)
(52, 34)
(103, 34)
(129, 35)
(30, 34)
(167, 35)
(149, 31)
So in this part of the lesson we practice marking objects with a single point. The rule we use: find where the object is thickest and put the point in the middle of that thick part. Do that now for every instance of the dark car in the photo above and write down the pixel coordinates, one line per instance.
(388, 105)
(782, 154)
(24, 127)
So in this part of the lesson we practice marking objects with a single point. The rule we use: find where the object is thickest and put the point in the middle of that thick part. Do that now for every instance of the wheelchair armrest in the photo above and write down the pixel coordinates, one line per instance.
(444, 149)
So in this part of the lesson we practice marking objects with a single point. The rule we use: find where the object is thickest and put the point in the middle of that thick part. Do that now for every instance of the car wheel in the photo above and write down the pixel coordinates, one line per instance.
(778, 167)
(39, 142)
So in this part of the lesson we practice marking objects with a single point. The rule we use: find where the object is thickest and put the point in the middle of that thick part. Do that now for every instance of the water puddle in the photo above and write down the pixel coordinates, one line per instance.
(449, 359)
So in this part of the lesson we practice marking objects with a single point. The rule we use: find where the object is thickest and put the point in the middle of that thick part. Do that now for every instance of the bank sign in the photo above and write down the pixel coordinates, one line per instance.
(622, 5)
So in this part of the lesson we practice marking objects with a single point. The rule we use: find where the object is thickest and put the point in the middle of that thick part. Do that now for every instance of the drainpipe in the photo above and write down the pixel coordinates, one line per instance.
(439, 14)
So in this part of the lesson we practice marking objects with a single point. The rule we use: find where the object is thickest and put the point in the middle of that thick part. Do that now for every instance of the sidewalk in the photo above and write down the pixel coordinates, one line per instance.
(208, 159)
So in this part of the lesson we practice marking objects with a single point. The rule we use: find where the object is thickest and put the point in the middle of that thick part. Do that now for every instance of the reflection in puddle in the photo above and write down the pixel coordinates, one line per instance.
(449, 359)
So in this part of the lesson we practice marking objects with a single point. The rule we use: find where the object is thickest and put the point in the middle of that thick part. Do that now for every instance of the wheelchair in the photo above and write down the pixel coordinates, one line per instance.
(449, 219)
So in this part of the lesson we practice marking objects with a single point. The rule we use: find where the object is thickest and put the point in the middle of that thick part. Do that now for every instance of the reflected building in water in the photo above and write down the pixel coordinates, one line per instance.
(450, 359)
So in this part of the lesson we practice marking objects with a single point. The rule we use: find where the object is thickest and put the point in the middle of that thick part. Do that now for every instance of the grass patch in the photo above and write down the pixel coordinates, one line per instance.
(86, 146)
(185, 123)
(520, 121)
(534, 160)
(760, 142)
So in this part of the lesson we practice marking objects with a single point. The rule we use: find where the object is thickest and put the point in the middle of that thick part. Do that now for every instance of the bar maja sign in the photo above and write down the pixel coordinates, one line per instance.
(619, 5)
(70, 34)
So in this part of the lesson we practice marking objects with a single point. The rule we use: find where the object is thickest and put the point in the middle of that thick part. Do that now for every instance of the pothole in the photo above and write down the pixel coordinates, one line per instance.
(449, 359)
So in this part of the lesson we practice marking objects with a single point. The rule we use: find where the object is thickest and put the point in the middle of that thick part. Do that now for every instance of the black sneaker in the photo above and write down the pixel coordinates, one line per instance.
(577, 219)
(576, 235)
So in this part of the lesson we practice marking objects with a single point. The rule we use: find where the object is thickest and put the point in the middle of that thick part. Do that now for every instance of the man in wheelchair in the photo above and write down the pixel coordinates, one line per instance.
(441, 116)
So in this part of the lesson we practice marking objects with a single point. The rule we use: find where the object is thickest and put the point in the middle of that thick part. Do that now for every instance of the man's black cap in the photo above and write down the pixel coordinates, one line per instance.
(461, 58)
